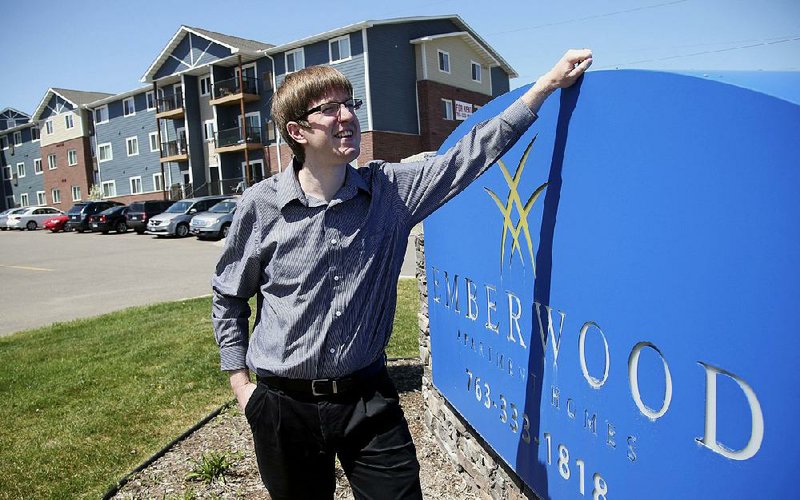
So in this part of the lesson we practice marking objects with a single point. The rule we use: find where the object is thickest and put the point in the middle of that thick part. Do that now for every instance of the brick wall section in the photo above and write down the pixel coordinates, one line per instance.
(433, 127)
(475, 461)
(64, 176)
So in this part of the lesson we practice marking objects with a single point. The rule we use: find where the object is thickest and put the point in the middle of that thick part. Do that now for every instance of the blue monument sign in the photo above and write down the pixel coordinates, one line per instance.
(614, 304)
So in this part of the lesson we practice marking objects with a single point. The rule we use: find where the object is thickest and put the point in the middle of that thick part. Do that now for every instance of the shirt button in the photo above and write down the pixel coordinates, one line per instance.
(338, 313)
(332, 350)
(335, 278)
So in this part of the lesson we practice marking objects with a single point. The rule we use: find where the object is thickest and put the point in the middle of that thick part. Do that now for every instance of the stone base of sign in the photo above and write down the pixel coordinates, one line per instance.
(475, 460)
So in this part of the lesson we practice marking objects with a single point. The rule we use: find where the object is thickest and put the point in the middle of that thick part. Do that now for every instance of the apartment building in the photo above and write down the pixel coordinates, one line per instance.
(21, 180)
(201, 124)
(65, 148)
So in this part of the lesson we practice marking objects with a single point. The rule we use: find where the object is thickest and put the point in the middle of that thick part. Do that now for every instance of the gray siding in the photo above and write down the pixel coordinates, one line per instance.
(191, 95)
(393, 70)
(191, 51)
(118, 129)
(24, 153)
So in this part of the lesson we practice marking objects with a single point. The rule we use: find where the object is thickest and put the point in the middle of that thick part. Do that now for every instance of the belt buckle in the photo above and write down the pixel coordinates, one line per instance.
(315, 392)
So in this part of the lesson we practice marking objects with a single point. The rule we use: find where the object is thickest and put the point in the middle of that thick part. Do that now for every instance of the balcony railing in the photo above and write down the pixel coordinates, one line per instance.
(225, 88)
(234, 137)
(170, 103)
(173, 148)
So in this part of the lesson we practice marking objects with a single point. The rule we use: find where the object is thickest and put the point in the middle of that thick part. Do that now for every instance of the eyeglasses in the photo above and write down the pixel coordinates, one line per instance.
(333, 108)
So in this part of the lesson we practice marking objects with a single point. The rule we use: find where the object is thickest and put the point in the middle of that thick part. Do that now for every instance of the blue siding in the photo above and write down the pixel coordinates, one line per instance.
(53, 104)
(24, 153)
(118, 129)
(393, 72)
(500, 84)
(191, 51)
(194, 130)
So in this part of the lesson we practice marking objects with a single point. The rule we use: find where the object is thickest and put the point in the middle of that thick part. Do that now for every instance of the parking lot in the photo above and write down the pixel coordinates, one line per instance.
(48, 277)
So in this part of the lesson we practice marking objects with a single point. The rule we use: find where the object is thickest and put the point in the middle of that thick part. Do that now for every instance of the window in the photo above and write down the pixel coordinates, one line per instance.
(295, 60)
(153, 141)
(205, 85)
(151, 100)
(476, 72)
(20, 170)
(37, 166)
(7, 172)
(128, 108)
(270, 130)
(48, 125)
(158, 182)
(55, 195)
(136, 185)
(40, 198)
(69, 121)
(23, 200)
(4, 142)
(208, 130)
(72, 157)
(51, 162)
(109, 189)
(447, 109)
(132, 145)
(100, 115)
(340, 48)
(444, 61)
(35, 134)
(18, 138)
(76, 193)
(104, 152)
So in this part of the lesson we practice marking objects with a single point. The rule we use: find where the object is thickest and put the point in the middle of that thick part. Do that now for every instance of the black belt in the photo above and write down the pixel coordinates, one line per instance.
(326, 386)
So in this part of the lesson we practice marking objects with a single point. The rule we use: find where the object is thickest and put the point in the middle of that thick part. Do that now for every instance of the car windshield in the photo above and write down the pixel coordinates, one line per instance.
(76, 209)
(136, 206)
(223, 207)
(179, 207)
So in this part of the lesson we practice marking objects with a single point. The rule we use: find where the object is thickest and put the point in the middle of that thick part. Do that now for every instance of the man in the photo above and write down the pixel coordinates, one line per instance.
(321, 246)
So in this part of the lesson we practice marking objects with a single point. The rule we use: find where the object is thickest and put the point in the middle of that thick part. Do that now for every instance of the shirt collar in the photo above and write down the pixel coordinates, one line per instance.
(289, 186)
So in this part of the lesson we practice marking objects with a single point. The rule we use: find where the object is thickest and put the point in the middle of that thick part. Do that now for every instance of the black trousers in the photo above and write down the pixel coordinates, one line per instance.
(297, 438)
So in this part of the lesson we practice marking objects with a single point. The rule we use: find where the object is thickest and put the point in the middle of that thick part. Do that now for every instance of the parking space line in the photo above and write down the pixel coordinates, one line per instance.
(27, 268)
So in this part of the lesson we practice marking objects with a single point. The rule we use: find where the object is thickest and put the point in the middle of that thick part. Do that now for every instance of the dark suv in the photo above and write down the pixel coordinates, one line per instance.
(80, 212)
(139, 212)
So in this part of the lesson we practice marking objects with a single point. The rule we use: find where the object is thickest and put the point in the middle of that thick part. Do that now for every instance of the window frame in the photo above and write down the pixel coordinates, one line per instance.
(70, 153)
(69, 121)
(131, 182)
(132, 106)
(134, 139)
(72, 192)
(149, 97)
(293, 53)
(158, 179)
(54, 164)
(103, 108)
(207, 81)
(8, 172)
(338, 41)
(112, 192)
(100, 147)
(17, 134)
(21, 172)
(209, 137)
(36, 134)
(473, 65)
(40, 169)
(151, 141)
(48, 127)
(442, 56)
(448, 110)
(55, 196)
(41, 198)
(23, 200)
(4, 142)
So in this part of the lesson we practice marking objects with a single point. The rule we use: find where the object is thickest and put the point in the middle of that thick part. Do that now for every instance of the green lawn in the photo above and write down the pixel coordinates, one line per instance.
(84, 402)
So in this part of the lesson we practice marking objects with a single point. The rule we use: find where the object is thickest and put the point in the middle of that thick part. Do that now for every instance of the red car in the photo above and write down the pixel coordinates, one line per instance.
(56, 224)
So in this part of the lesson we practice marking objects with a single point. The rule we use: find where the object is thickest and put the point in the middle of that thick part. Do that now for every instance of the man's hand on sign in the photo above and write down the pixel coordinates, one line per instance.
(572, 65)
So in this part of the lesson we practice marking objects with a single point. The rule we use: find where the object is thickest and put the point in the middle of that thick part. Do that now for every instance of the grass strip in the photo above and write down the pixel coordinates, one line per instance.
(85, 402)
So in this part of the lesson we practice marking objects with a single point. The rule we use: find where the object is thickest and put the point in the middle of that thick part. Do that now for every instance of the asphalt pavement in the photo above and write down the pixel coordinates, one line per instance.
(47, 277)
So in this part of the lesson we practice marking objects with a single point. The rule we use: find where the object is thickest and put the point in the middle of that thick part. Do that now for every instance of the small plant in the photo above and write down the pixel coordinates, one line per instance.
(211, 466)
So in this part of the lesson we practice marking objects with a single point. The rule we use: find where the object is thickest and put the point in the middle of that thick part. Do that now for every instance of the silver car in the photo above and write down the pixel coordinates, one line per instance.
(4, 216)
(215, 222)
(175, 220)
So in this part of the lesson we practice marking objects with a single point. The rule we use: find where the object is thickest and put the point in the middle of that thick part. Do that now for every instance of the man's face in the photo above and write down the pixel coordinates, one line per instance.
(332, 139)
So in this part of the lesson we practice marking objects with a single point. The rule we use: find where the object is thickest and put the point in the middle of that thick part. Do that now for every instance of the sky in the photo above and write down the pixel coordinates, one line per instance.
(106, 46)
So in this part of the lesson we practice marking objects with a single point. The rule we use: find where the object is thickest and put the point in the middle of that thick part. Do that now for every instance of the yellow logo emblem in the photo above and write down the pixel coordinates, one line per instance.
(514, 201)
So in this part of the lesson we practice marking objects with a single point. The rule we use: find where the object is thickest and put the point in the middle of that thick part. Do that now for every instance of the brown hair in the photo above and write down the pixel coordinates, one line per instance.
(297, 91)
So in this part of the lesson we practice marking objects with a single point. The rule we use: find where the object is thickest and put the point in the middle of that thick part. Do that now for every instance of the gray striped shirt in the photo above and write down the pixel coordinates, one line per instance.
(325, 275)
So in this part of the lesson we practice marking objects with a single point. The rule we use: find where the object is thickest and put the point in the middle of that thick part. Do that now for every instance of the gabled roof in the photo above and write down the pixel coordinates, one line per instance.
(456, 19)
(488, 56)
(117, 97)
(235, 44)
(75, 97)
(9, 111)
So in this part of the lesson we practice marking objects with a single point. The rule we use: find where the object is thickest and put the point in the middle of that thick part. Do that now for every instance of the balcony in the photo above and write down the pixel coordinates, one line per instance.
(232, 139)
(174, 151)
(228, 92)
(170, 107)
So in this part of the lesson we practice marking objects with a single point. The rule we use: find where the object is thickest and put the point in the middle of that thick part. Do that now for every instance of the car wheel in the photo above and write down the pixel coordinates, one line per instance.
(224, 231)
(104, 231)
(140, 231)
(182, 230)
(121, 227)
(31, 225)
